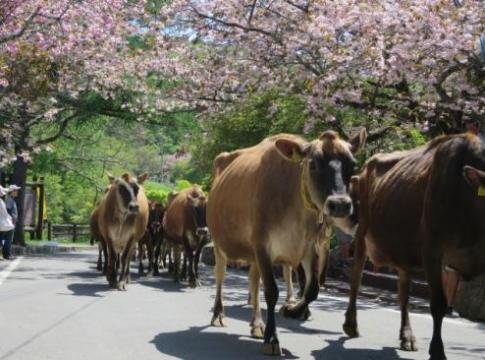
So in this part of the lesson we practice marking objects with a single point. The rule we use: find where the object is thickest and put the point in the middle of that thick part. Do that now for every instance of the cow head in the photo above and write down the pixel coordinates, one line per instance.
(197, 204)
(475, 220)
(125, 190)
(155, 217)
(327, 167)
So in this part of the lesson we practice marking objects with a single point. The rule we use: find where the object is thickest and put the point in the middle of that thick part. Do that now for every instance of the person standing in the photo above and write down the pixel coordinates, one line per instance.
(6, 226)
(10, 202)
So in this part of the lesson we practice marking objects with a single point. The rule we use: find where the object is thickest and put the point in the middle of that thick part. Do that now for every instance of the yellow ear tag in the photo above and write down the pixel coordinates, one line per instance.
(296, 157)
(481, 190)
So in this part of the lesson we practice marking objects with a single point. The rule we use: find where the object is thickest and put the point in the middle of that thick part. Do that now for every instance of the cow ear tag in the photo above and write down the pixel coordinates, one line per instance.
(481, 190)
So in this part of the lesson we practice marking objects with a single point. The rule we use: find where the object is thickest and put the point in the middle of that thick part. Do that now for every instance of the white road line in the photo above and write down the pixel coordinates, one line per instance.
(6, 272)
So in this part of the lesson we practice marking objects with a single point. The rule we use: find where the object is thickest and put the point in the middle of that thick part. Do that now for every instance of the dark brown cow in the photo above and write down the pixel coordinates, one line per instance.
(96, 233)
(185, 227)
(268, 206)
(152, 239)
(422, 209)
(123, 218)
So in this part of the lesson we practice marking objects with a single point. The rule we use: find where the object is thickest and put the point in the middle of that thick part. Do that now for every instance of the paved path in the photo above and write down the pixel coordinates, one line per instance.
(59, 307)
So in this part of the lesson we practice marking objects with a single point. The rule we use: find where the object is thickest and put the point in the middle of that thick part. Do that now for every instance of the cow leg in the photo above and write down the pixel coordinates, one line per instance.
(288, 275)
(438, 301)
(125, 264)
(112, 267)
(105, 253)
(156, 258)
(301, 280)
(99, 265)
(300, 310)
(140, 259)
(197, 256)
(408, 341)
(350, 325)
(176, 263)
(150, 255)
(189, 256)
(183, 273)
(257, 324)
(219, 273)
(271, 344)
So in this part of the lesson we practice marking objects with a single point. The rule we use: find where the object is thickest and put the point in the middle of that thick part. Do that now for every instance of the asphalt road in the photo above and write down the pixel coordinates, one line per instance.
(59, 307)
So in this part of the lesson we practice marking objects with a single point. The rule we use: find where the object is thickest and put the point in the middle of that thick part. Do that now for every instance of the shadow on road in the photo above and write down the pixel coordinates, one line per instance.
(244, 313)
(336, 351)
(86, 289)
(195, 343)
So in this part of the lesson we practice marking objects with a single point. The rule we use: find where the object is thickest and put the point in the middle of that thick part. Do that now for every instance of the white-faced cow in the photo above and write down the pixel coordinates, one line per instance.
(122, 221)
(185, 227)
(422, 209)
(269, 206)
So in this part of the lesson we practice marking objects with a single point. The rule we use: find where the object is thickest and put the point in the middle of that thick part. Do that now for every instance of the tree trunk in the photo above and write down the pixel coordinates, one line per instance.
(19, 177)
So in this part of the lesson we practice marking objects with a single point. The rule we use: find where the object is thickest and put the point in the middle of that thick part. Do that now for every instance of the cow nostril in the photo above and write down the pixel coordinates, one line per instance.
(133, 208)
(331, 207)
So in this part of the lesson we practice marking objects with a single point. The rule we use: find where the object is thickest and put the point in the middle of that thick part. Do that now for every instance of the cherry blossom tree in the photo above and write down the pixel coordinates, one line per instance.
(413, 62)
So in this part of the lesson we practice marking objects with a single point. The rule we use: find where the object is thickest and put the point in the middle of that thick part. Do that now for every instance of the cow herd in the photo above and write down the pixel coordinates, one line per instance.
(273, 204)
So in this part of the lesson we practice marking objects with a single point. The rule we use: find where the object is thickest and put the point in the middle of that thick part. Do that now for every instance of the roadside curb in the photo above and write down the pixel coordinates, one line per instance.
(47, 248)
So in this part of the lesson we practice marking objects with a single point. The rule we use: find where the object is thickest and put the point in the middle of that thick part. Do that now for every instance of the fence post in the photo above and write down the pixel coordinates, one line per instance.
(49, 230)
(74, 233)
(40, 215)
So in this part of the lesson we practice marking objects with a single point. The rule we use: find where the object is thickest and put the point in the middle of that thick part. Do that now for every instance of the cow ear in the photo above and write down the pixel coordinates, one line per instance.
(475, 177)
(142, 178)
(354, 186)
(358, 141)
(291, 150)
(111, 179)
(126, 177)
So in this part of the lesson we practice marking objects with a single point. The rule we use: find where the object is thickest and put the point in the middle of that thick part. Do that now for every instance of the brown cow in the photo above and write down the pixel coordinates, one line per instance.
(422, 209)
(267, 207)
(123, 218)
(185, 227)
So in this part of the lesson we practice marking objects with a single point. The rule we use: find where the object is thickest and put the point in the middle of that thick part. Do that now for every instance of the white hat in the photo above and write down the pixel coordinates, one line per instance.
(3, 191)
(13, 187)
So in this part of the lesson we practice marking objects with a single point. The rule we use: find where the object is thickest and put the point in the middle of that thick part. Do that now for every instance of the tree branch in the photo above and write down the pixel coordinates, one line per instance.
(22, 30)
(232, 24)
(60, 131)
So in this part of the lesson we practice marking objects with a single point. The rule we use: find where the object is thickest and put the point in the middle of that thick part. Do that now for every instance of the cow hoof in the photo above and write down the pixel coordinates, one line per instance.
(295, 312)
(351, 330)
(122, 286)
(218, 321)
(291, 300)
(409, 344)
(272, 349)
(257, 332)
(194, 283)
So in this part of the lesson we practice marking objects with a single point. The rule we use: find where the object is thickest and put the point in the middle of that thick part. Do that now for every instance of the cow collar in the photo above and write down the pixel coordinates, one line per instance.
(304, 192)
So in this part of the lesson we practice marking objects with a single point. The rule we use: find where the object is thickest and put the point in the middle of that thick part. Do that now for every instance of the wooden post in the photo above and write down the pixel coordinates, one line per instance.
(49, 230)
(74, 233)
(40, 218)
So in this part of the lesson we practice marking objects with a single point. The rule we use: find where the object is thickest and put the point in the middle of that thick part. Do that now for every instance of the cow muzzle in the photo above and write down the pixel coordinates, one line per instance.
(202, 232)
(338, 206)
(133, 208)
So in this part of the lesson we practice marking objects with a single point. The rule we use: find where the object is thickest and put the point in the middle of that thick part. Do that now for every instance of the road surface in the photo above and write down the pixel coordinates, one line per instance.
(59, 307)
